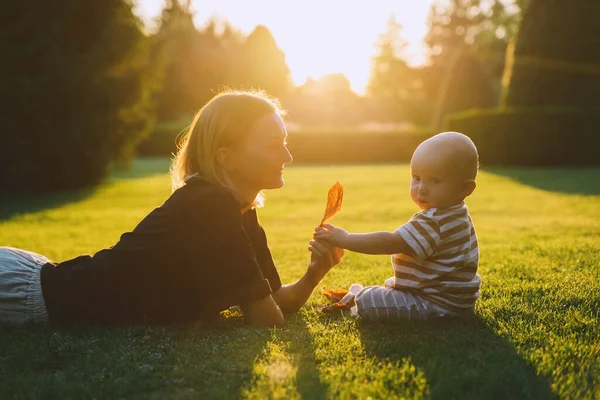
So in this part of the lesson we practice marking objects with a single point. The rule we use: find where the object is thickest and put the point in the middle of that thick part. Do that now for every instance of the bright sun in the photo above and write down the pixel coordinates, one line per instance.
(319, 37)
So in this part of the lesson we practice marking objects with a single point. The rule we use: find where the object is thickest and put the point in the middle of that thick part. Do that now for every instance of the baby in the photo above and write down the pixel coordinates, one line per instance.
(435, 254)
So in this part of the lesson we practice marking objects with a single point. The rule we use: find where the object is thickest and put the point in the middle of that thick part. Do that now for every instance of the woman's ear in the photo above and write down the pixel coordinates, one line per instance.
(468, 187)
(224, 158)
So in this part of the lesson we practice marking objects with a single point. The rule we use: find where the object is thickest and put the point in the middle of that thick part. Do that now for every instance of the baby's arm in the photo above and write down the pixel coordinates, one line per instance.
(368, 243)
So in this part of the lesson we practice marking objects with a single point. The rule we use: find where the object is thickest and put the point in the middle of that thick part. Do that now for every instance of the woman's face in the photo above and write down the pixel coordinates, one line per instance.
(257, 162)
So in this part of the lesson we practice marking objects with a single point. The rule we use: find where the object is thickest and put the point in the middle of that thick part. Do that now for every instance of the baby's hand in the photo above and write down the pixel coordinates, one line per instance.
(331, 234)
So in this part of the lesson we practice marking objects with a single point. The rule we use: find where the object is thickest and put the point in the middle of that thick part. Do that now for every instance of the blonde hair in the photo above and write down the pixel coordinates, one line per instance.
(223, 121)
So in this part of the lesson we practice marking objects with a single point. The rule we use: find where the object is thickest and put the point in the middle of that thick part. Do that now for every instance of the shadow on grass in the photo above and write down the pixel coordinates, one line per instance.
(210, 360)
(142, 168)
(286, 366)
(136, 362)
(460, 359)
(584, 181)
(15, 205)
(11, 206)
(308, 377)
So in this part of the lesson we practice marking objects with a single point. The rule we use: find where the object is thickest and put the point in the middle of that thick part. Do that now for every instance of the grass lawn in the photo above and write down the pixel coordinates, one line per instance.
(535, 334)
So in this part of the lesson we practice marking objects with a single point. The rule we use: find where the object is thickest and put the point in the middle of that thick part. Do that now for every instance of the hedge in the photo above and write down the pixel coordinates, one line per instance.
(532, 136)
(321, 146)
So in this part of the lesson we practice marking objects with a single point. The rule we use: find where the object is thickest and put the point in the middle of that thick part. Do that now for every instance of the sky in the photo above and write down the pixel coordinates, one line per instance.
(317, 37)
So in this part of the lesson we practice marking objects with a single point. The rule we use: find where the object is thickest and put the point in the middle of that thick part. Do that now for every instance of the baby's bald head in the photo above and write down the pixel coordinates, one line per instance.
(455, 150)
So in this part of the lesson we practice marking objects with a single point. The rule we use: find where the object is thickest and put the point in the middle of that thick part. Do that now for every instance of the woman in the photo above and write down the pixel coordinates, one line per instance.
(200, 252)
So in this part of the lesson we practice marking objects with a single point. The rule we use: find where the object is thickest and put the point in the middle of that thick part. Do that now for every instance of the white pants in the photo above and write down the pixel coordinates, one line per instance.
(21, 298)
(384, 303)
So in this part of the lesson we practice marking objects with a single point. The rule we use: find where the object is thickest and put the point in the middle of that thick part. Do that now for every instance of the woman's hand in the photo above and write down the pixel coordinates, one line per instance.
(331, 235)
(323, 257)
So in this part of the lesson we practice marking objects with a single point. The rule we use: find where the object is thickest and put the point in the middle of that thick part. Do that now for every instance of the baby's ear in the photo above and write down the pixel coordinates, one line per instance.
(468, 187)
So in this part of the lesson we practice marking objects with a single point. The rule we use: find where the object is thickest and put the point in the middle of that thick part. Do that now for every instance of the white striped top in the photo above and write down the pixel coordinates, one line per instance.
(444, 268)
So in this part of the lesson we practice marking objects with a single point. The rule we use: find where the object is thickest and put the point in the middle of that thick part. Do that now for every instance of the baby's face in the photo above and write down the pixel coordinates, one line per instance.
(435, 182)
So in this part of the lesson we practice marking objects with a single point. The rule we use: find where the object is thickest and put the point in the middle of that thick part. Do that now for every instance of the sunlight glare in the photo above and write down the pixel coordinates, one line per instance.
(320, 37)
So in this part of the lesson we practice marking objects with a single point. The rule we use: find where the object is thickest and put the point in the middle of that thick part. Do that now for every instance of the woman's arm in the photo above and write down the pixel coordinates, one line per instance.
(292, 296)
(263, 312)
(268, 310)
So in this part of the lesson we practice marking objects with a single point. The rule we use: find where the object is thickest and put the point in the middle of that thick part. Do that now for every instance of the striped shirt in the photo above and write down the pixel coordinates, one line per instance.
(444, 267)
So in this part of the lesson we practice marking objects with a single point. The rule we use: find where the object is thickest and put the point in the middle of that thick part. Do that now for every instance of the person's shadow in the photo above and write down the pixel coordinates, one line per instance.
(287, 364)
(224, 358)
(204, 360)
(309, 383)
(463, 359)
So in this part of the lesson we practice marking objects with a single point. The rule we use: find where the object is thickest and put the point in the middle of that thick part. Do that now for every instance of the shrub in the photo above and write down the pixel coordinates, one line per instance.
(532, 136)
(319, 146)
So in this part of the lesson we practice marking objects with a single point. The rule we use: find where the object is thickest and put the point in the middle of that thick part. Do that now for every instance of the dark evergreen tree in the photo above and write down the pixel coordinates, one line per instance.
(557, 55)
(75, 90)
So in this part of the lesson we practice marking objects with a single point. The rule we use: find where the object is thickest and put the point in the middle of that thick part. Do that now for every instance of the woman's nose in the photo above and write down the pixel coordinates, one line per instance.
(288, 157)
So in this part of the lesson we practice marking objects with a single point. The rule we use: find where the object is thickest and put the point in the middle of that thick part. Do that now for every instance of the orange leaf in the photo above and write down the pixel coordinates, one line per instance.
(334, 202)
(335, 295)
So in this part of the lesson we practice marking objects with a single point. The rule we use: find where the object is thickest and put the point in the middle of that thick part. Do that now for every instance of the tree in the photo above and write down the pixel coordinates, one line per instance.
(467, 41)
(261, 64)
(76, 92)
(483, 27)
(557, 55)
(326, 101)
(553, 97)
(228, 53)
(391, 81)
(201, 61)
(191, 63)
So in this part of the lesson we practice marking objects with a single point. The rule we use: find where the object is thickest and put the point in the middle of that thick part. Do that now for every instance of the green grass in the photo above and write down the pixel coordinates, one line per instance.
(535, 334)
